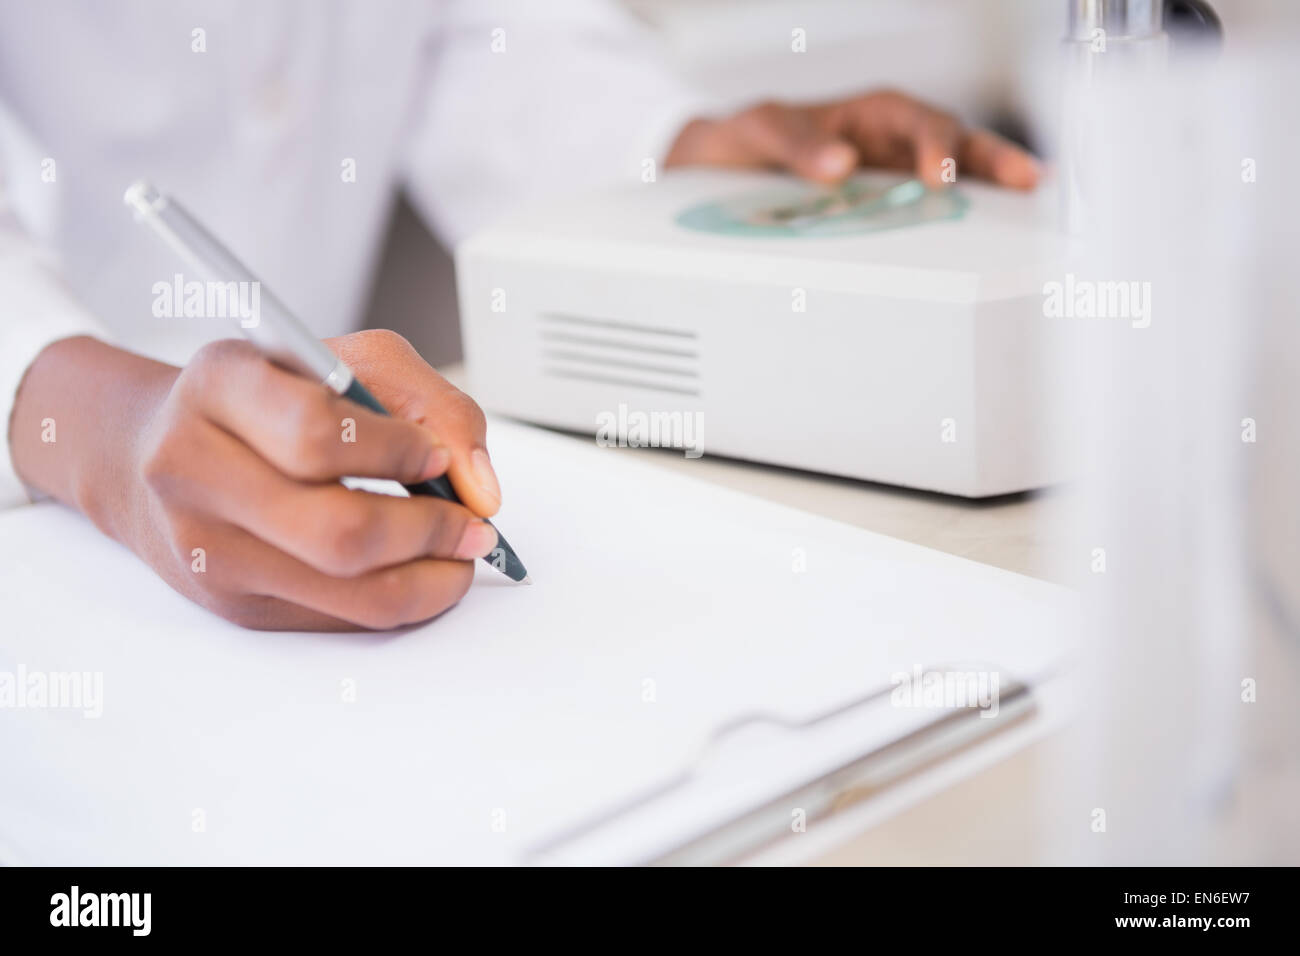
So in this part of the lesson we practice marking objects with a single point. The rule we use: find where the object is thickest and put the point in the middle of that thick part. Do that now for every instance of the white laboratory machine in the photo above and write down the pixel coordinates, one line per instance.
(877, 331)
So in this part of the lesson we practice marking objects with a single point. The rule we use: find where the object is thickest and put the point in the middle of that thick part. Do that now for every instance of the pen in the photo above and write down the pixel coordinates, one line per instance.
(279, 335)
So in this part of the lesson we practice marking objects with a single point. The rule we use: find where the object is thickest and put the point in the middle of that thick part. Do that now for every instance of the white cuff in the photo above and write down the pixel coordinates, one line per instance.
(38, 310)
(665, 124)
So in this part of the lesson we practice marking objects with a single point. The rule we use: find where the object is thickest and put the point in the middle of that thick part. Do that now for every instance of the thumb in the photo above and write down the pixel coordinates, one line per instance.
(411, 390)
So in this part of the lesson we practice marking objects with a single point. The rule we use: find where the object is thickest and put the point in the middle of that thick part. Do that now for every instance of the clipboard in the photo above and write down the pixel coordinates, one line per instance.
(519, 716)
(827, 794)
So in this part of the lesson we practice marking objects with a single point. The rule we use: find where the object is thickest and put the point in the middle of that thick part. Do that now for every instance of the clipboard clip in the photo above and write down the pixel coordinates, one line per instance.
(836, 790)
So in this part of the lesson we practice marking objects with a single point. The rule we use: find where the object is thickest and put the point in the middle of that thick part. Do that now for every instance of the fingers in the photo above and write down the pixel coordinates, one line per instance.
(268, 589)
(460, 425)
(770, 135)
(790, 138)
(338, 532)
(301, 427)
(936, 140)
(239, 466)
(379, 600)
(826, 143)
(892, 129)
(411, 390)
(261, 613)
(991, 157)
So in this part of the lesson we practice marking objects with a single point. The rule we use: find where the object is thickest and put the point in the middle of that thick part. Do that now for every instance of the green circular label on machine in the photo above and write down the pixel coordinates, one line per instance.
(850, 209)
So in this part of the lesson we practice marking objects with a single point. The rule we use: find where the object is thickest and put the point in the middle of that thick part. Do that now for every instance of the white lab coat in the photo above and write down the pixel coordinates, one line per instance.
(256, 115)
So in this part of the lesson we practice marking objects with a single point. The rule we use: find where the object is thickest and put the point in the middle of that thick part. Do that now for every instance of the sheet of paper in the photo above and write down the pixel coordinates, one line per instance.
(664, 608)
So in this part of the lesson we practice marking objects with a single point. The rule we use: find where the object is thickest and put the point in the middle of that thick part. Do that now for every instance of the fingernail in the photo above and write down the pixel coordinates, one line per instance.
(484, 475)
(477, 542)
(437, 463)
(835, 160)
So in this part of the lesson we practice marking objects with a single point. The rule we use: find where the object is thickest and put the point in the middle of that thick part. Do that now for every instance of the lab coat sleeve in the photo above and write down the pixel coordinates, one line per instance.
(524, 100)
(35, 310)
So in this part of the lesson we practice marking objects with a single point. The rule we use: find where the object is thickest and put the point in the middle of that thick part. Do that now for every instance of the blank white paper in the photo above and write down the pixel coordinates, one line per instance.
(663, 608)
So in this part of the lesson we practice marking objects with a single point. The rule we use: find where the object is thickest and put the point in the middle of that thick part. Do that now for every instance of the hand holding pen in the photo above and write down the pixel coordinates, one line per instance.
(283, 339)
(224, 475)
